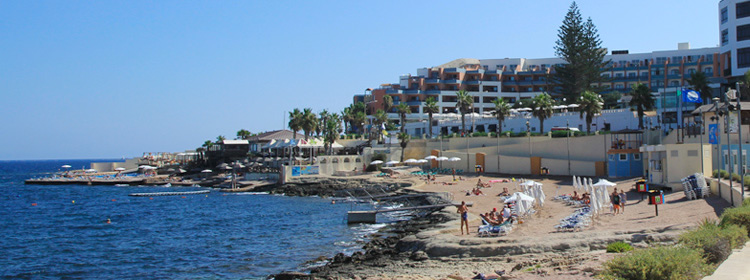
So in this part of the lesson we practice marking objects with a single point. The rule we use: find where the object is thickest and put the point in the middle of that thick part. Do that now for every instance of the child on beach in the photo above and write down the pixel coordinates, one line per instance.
(615, 202)
(623, 200)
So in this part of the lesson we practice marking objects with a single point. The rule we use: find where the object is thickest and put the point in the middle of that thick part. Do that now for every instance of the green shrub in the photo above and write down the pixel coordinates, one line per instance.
(619, 247)
(479, 134)
(726, 175)
(746, 202)
(735, 177)
(715, 173)
(736, 216)
(674, 262)
(714, 242)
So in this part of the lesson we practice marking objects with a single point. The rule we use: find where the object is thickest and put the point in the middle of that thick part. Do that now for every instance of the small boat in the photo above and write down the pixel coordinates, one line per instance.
(122, 185)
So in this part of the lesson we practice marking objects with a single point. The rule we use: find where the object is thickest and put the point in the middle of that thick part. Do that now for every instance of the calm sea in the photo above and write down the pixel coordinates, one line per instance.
(61, 231)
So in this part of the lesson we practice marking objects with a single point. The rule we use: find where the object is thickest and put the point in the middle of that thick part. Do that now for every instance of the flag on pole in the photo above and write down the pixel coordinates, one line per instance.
(690, 96)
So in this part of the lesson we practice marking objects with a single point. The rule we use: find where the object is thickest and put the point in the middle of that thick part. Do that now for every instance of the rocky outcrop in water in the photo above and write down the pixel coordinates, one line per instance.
(333, 187)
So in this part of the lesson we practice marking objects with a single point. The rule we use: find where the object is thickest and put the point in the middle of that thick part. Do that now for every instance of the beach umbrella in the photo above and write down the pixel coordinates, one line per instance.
(66, 166)
(411, 160)
(605, 183)
(90, 170)
(573, 106)
(376, 162)
(120, 169)
(392, 162)
(529, 183)
(519, 196)
(181, 170)
(430, 157)
(454, 159)
(206, 171)
(442, 159)
(423, 161)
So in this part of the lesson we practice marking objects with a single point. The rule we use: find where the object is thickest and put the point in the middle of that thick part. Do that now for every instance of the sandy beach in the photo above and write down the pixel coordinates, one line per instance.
(533, 249)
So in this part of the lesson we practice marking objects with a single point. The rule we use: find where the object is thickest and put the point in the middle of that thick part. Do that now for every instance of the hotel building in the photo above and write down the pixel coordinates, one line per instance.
(734, 35)
(520, 79)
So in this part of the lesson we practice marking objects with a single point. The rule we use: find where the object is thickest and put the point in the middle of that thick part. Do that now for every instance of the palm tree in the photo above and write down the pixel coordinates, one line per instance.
(331, 130)
(380, 118)
(347, 117)
(464, 102)
(220, 138)
(699, 82)
(642, 100)
(502, 109)
(208, 144)
(542, 109)
(387, 103)
(295, 122)
(430, 107)
(308, 122)
(243, 134)
(321, 122)
(359, 121)
(402, 110)
(403, 140)
(591, 104)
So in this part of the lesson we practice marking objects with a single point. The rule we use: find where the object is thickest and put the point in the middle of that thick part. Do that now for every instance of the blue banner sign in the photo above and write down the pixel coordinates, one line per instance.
(713, 133)
(305, 170)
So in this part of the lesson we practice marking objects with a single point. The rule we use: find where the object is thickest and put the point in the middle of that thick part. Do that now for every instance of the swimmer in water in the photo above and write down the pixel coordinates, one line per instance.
(109, 221)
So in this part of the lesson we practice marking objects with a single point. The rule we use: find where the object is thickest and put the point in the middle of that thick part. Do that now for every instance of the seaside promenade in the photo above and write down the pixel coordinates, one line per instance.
(735, 267)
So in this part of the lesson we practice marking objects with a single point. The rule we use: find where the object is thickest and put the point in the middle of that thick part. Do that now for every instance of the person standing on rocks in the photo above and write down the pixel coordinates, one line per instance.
(464, 211)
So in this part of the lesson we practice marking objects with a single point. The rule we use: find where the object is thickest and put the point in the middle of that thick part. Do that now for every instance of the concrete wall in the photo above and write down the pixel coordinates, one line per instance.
(330, 164)
(734, 197)
(110, 166)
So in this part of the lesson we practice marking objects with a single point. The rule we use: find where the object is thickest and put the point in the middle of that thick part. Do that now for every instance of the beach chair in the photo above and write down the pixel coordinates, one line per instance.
(487, 229)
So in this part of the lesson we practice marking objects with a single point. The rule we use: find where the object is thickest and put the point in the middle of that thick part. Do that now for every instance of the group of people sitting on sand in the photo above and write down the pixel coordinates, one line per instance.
(496, 218)
(585, 197)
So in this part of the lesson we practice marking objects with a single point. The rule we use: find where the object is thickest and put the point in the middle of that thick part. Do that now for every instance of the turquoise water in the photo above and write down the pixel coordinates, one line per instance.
(61, 231)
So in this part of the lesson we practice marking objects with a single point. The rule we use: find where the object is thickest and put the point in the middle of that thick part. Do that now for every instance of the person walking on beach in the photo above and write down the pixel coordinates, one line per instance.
(623, 200)
(615, 202)
(464, 211)
(453, 170)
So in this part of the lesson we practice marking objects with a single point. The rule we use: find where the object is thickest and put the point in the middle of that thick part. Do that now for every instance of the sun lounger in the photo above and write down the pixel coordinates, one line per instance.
(487, 229)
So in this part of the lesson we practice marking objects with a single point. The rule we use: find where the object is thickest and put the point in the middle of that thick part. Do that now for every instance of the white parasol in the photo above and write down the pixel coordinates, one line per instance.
(442, 159)
(392, 162)
(374, 162)
(206, 171)
(66, 166)
(454, 159)
(120, 169)
(430, 157)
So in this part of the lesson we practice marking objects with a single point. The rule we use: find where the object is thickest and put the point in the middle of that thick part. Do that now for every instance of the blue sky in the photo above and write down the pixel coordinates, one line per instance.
(107, 79)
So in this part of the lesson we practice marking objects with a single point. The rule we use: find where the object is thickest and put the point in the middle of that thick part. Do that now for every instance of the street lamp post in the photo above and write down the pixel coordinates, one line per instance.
(567, 129)
(730, 166)
(718, 143)
(741, 163)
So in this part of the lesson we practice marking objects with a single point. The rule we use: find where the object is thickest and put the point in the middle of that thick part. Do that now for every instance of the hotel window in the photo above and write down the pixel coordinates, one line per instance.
(742, 10)
(743, 32)
(690, 71)
(605, 76)
(709, 71)
(661, 60)
(618, 75)
(674, 72)
(636, 156)
(531, 89)
(725, 37)
(674, 84)
(743, 57)
(724, 15)
(619, 86)
(708, 58)
(623, 157)
(676, 59)
(632, 75)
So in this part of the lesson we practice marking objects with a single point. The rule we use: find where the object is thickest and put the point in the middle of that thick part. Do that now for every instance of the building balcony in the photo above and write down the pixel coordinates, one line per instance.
(432, 81)
(480, 71)
(393, 91)
(432, 91)
(525, 83)
(414, 103)
(412, 91)
(474, 82)
(454, 70)
(691, 63)
(676, 76)
(452, 81)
